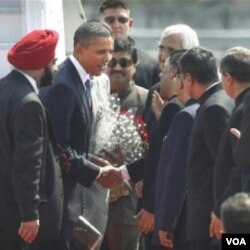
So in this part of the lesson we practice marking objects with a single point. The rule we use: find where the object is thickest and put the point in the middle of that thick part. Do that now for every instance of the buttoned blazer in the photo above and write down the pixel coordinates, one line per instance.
(146, 167)
(71, 118)
(210, 123)
(153, 156)
(171, 185)
(30, 176)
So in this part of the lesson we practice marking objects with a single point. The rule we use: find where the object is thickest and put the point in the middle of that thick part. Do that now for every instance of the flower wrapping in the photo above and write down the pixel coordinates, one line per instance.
(116, 128)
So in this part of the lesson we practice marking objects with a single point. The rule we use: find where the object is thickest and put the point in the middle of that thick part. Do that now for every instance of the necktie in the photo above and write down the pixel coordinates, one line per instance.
(88, 92)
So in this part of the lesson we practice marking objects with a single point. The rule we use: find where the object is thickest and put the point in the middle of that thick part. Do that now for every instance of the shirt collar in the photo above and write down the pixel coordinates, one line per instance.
(81, 71)
(31, 80)
(210, 86)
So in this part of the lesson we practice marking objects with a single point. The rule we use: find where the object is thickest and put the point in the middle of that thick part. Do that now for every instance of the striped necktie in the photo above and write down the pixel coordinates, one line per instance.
(88, 92)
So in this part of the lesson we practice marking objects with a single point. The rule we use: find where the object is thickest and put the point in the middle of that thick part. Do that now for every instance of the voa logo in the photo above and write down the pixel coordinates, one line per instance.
(236, 241)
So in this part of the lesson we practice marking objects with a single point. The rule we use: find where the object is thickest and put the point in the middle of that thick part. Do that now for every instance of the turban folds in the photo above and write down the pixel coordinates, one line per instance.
(35, 50)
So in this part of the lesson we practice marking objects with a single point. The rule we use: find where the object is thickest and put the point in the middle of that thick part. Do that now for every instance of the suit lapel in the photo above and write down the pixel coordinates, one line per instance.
(87, 112)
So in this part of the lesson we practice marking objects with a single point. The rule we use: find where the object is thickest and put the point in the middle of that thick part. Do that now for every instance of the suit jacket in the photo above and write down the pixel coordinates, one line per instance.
(226, 173)
(170, 182)
(241, 151)
(71, 118)
(30, 176)
(147, 166)
(211, 120)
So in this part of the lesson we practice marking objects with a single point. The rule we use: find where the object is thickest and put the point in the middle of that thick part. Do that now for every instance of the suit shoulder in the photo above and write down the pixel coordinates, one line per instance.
(141, 90)
(219, 100)
(191, 110)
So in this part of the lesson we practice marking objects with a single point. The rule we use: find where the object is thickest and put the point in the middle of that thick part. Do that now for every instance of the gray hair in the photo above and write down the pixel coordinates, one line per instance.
(188, 36)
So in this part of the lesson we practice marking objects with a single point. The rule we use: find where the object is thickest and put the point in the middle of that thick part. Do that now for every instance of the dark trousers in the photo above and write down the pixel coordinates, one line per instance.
(202, 245)
(245, 181)
(11, 241)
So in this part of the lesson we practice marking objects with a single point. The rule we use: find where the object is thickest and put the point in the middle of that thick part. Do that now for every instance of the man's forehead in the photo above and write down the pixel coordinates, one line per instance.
(172, 41)
(116, 12)
(121, 54)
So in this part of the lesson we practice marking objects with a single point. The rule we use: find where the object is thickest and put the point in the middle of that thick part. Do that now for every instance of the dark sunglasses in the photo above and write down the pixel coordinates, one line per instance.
(111, 19)
(123, 62)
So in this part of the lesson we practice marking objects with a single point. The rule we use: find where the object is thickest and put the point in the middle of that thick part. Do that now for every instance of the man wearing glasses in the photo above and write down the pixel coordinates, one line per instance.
(121, 230)
(116, 14)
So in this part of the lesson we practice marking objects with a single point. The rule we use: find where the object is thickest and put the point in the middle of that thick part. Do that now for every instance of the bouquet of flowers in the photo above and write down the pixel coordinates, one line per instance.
(115, 128)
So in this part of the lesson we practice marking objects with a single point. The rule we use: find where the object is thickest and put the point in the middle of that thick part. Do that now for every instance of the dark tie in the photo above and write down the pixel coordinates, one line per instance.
(88, 92)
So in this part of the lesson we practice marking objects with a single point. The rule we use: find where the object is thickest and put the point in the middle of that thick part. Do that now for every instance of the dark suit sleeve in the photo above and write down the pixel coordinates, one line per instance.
(149, 180)
(27, 158)
(215, 122)
(241, 150)
(136, 169)
(173, 191)
(60, 102)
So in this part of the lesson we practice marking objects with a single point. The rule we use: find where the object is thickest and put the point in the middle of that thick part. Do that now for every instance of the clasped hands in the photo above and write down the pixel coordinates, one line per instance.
(110, 177)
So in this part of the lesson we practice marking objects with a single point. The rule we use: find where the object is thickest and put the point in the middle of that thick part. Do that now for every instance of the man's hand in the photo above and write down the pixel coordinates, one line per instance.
(216, 228)
(235, 132)
(28, 230)
(110, 177)
(157, 104)
(166, 239)
(146, 221)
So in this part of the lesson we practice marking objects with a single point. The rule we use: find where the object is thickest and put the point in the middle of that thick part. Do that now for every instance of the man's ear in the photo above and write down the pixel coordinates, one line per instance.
(228, 78)
(189, 79)
(78, 48)
(131, 23)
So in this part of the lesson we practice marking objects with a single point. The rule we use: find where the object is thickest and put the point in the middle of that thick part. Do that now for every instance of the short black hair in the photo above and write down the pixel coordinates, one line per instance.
(174, 58)
(200, 63)
(236, 62)
(235, 214)
(110, 4)
(126, 45)
(90, 30)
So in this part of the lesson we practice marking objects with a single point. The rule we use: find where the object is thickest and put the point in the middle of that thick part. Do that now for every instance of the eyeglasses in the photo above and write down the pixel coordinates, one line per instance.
(111, 19)
(166, 50)
(123, 62)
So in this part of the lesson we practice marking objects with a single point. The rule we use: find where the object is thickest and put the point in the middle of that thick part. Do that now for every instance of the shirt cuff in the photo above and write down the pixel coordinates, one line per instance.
(125, 174)
(99, 175)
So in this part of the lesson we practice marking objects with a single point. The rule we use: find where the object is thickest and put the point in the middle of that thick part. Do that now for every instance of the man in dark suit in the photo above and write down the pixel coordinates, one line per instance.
(241, 152)
(69, 104)
(116, 14)
(199, 72)
(149, 163)
(235, 71)
(31, 195)
(170, 182)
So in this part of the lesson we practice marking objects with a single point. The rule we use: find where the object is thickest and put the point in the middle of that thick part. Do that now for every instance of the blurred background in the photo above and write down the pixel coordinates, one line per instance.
(221, 24)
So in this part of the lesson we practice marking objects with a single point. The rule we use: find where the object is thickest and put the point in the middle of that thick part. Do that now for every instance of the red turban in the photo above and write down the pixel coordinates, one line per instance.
(34, 51)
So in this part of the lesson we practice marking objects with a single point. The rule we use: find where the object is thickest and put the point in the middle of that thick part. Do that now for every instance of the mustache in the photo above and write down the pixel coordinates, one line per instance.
(116, 72)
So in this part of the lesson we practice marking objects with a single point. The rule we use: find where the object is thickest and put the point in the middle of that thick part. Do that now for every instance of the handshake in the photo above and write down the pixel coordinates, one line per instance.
(110, 176)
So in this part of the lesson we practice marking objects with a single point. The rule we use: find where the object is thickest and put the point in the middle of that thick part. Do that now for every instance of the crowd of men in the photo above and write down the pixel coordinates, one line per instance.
(182, 194)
